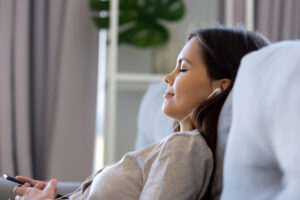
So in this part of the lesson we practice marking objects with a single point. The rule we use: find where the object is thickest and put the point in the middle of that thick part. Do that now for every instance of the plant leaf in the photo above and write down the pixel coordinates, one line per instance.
(171, 10)
(101, 22)
(128, 15)
(144, 34)
(138, 19)
(97, 5)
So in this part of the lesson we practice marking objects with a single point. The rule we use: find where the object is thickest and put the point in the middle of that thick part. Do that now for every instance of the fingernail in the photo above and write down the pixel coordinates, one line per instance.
(54, 180)
(26, 185)
(42, 184)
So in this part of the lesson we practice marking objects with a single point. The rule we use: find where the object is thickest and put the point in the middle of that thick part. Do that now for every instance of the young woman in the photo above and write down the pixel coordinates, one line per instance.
(181, 166)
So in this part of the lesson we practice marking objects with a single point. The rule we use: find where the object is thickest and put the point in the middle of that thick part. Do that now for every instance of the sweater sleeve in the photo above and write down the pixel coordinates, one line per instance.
(182, 169)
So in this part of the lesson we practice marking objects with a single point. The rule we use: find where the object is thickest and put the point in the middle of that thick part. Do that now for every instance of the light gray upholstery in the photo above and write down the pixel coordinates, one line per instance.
(262, 156)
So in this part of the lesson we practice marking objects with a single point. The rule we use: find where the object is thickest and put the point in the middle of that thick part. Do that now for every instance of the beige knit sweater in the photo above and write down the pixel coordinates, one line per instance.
(178, 167)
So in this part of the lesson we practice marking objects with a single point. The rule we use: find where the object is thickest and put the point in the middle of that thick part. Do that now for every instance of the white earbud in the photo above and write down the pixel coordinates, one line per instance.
(215, 92)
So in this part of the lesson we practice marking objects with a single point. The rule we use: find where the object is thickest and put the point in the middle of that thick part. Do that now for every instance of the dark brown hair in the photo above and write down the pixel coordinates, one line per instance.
(222, 50)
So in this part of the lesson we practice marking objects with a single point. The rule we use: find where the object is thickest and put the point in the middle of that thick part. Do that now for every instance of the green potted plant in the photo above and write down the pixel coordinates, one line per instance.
(140, 21)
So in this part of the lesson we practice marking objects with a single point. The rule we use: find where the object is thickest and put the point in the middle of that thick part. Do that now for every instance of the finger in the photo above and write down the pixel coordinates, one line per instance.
(37, 184)
(20, 190)
(51, 187)
(40, 185)
(26, 185)
(28, 180)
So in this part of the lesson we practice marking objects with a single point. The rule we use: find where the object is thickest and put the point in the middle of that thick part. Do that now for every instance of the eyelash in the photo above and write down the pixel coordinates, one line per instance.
(182, 70)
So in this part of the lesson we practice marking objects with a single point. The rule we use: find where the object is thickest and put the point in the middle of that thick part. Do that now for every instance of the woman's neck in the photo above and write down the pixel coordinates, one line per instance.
(186, 125)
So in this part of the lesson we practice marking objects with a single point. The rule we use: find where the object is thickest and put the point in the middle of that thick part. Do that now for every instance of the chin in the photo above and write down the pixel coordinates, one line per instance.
(166, 111)
(170, 113)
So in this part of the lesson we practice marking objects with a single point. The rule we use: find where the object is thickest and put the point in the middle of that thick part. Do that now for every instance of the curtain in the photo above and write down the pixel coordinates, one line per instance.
(48, 88)
(15, 130)
(73, 145)
(276, 19)
(46, 28)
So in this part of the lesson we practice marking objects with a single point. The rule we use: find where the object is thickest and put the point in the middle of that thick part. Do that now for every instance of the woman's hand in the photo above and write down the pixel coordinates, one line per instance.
(36, 193)
(37, 184)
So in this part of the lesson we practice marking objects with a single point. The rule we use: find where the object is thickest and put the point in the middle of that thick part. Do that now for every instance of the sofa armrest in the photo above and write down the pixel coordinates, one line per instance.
(6, 188)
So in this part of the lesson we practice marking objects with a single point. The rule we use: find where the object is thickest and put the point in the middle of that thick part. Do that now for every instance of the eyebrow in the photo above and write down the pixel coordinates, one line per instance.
(181, 59)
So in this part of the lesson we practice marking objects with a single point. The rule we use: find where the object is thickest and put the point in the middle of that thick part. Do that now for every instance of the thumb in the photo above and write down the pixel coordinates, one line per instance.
(51, 187)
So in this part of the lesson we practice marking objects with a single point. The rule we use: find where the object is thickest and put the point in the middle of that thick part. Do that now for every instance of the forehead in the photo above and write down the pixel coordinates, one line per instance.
(190, 50)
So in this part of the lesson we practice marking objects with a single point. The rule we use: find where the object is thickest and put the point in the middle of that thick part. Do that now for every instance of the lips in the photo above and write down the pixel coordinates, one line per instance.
(169, 93)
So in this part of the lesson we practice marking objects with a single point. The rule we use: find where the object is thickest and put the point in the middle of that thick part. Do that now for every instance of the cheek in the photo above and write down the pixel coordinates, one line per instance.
(184, 100)
(191, 92)
(186, 90)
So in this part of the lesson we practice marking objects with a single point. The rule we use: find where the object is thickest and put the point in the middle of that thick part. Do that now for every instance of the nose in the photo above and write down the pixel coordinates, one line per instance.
(169, 78)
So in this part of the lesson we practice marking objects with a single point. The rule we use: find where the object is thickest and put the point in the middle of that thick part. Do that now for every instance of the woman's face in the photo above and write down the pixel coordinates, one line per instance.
(189, 83)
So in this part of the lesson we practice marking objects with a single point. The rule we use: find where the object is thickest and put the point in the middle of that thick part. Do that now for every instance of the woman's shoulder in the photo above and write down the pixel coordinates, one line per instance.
(187, 138)
(179, 144)
(191, 142)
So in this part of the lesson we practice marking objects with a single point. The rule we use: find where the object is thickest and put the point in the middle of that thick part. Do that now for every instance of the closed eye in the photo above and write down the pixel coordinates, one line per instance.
(182, 70)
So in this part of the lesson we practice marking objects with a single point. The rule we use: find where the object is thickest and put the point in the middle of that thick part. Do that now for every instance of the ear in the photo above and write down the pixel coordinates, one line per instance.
(221, 83)
(225, 83)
